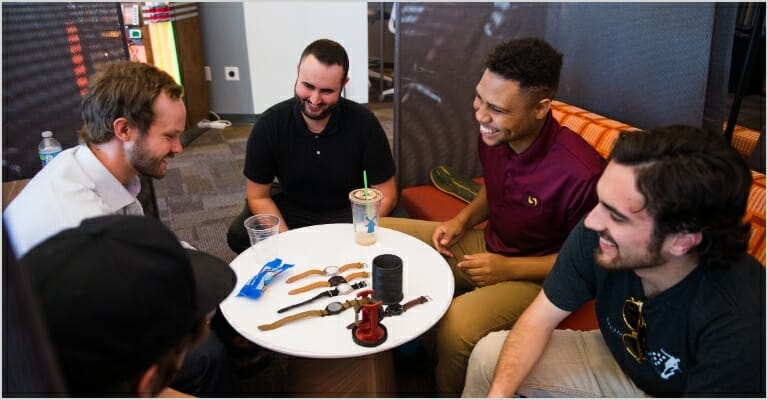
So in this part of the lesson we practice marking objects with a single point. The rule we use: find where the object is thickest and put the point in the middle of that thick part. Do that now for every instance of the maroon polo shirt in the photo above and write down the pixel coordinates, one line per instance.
(536, 197)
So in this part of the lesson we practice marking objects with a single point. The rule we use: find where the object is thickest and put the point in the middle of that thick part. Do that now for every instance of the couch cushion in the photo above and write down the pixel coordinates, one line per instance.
(583, 319)
(744, 140)
(428, 203)
(597, 130)
(755, 215)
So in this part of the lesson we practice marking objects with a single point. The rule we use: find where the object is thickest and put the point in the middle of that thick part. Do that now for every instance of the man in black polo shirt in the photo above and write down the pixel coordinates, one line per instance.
(317, 144)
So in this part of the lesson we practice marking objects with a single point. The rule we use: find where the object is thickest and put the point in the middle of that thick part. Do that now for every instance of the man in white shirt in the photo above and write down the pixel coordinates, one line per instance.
(133, 118)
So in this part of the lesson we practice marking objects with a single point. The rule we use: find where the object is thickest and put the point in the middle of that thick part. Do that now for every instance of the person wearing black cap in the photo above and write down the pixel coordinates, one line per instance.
(133, 118)
(123, 301)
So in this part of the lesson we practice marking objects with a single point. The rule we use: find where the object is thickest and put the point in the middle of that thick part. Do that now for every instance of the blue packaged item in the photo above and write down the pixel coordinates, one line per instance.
(258, 284)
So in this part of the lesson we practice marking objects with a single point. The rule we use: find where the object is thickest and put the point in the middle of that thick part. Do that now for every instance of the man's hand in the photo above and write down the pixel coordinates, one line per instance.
(445, 235)
(485, 269)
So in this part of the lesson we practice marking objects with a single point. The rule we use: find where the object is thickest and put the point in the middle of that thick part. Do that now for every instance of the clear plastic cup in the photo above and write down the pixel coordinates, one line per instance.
(261, 226)
(366, 204)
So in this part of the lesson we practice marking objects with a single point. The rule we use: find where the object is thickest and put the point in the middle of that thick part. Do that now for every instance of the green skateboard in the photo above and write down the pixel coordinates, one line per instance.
(449, 181)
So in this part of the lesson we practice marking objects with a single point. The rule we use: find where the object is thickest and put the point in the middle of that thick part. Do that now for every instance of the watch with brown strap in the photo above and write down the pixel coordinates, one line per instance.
(331, 282)
(331, 309)
(327, 271)
(397, 309)
(343, 288)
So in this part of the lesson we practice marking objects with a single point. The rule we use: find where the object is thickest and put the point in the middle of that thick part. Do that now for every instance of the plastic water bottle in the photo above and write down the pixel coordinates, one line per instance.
(49, 147)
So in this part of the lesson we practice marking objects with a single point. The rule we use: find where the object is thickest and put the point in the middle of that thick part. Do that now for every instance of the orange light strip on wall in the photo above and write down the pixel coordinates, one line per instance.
(78, 65)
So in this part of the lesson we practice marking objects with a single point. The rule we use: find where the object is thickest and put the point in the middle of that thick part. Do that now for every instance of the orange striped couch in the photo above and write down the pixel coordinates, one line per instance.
(428, 203)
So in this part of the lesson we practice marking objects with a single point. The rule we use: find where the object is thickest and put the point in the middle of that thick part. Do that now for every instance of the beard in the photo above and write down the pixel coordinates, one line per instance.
(650, 258)
(143, 161)
(325, 113)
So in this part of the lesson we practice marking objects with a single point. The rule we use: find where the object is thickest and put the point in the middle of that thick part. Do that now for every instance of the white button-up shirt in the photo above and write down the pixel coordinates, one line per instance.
(72, 187)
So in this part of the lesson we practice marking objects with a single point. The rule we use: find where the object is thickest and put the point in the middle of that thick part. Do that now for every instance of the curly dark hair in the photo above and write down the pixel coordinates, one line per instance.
(329, 53)
(692, 181)
(532, 62)
(123, 89)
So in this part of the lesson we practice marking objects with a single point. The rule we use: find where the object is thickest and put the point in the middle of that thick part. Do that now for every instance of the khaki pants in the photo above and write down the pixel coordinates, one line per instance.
(574, 364)
(474, 312)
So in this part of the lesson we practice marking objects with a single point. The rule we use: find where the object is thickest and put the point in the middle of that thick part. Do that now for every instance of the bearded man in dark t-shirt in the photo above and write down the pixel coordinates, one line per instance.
(680, 304)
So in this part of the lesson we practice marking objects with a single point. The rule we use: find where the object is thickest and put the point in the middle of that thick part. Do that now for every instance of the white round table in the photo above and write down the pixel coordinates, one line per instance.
(425, 273)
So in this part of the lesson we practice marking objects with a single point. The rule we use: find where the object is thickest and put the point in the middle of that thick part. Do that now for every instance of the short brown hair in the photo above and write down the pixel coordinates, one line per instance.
(328, 52)
(123, 89)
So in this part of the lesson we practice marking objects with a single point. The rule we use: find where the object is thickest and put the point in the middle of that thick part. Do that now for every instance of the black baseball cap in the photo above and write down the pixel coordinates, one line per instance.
(118, 292)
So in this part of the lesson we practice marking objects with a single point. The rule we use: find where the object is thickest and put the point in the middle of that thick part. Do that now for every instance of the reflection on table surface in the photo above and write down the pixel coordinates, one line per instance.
(425, 273)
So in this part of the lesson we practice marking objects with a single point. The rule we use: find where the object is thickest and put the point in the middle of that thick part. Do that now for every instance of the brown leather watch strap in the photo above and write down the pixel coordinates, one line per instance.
(415, 302)
(319, 284)
(323, 271)
(311, 286)
(294, 278)
(282, 321)
(351, 265)
(356, 275)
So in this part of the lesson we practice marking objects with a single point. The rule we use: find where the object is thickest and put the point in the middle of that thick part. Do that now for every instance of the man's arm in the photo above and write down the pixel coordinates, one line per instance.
(524, 345)
(389, 190)
(260, 201)
(449, 232)
(489, 268)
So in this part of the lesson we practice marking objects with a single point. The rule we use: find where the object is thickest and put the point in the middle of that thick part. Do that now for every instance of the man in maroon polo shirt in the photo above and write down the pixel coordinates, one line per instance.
(539, 182)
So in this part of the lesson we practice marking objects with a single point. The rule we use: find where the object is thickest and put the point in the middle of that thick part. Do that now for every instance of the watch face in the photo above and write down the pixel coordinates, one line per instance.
(336, 280)
(394, 309)
(344, 288)
(331, 270)
(334, 308)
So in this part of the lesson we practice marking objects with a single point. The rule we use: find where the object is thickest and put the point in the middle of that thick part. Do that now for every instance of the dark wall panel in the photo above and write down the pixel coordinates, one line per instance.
(645, 64)
(49, 50)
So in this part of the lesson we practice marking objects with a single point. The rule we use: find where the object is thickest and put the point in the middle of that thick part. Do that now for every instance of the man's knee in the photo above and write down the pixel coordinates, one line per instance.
(237, 237)
(208, 370)
(417, 228)
(482, 364)
(454, 334)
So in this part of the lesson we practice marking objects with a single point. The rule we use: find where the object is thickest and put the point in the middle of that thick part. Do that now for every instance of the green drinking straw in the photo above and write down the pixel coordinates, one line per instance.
(365, 193)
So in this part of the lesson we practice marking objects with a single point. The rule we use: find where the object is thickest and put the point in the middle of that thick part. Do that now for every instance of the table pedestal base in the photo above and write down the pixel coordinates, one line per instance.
(367, 376)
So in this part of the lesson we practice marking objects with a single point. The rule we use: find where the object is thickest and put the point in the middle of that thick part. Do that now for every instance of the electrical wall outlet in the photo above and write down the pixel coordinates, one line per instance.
(232, 73)
(207, 70)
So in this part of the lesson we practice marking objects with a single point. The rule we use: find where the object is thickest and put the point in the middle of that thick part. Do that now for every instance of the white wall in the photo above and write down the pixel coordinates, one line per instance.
(278, 31)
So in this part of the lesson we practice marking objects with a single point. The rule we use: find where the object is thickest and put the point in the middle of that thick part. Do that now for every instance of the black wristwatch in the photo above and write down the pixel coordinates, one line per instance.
(342, 288)
(333, 281)
(331, 309)
(397, 309)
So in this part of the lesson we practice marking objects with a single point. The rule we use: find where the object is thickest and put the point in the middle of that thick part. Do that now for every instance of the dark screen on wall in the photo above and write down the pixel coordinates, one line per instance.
(49, 50)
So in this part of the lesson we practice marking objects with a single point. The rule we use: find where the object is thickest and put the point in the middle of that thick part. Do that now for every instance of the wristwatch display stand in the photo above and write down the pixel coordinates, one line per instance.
(368, 331)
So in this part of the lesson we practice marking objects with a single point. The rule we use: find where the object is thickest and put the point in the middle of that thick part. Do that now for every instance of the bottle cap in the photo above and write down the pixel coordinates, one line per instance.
(47, 134)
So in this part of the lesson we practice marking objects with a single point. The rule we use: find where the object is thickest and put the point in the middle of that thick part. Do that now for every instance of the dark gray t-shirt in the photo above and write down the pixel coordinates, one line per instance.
(705, 335)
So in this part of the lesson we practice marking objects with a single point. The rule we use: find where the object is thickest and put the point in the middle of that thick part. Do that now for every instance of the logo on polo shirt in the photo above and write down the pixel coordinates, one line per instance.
(533, 201)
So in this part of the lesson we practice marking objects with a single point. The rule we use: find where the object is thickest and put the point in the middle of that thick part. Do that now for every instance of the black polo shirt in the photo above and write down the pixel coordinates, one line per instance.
(317, 171)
